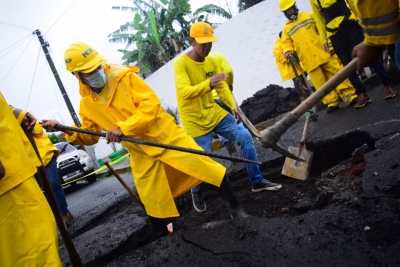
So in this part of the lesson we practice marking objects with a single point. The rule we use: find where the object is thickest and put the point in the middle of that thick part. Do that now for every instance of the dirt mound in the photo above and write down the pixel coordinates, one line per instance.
(269, 103)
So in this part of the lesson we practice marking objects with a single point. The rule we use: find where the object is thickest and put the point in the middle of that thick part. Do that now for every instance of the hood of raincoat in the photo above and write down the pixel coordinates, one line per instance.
(114, 72)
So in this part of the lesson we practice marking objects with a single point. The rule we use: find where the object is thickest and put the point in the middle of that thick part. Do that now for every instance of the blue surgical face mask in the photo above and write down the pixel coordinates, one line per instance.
(97, 79)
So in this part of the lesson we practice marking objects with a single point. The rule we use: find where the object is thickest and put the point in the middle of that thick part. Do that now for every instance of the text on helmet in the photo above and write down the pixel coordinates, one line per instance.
(87, 52)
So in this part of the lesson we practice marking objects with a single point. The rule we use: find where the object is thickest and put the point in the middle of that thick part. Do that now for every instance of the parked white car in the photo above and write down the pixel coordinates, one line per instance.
(73, 164)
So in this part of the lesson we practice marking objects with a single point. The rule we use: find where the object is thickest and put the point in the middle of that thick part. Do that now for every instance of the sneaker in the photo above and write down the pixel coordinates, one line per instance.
(332, 109)
(362, 100)
(265, 185)
(389, 92)
(67, 218)
(198, 202)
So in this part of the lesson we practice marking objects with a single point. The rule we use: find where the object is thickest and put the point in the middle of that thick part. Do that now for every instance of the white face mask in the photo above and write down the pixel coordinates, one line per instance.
(97, 79)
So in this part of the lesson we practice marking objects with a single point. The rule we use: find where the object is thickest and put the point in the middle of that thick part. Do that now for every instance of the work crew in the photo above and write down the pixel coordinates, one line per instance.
(380, 22)
(300, 32)
(285, 69)
(114, 98)
(28, 229)
(338, 25)
(196, 75)
(49, 154)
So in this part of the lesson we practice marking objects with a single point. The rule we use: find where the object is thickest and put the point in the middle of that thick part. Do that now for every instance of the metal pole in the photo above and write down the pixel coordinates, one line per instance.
(155, 144)
(44, 44)
(130, 191)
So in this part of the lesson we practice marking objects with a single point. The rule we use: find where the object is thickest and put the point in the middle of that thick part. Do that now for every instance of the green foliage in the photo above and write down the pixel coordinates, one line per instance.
(53, 138)
(151, 38)
(245, 4)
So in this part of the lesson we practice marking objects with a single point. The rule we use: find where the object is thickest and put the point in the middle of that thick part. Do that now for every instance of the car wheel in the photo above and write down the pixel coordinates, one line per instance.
(91, 178)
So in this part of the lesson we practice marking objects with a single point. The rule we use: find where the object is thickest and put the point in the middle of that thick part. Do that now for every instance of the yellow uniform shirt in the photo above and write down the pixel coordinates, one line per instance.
(197, 109)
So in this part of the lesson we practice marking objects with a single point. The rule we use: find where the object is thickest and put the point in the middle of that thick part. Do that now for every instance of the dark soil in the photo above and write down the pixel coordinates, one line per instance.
(347, 213)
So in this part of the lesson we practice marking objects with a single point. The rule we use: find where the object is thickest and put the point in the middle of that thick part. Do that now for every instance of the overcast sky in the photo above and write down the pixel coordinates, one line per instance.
(26, 80)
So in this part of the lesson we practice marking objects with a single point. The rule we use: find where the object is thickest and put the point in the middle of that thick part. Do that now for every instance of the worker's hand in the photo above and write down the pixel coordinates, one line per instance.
(367, 55)
(50, 125)
(113, 135)
(288, 55)
(325, 46)
(2, 170)
(216, 79)
(28, 122)
(236, 115)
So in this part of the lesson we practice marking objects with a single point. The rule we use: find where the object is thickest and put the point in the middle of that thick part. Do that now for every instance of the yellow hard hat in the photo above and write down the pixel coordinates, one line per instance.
(82, 57)
(286, 4)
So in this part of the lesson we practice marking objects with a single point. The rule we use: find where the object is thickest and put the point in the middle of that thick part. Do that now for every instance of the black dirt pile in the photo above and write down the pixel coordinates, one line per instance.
(269, 103)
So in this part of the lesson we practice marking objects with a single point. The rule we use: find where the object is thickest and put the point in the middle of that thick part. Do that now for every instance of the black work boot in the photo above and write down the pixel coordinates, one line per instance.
(228, 194)
(158, 227)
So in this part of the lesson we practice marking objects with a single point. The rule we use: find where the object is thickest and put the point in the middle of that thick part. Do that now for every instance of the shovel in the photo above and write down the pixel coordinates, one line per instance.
(294, 168)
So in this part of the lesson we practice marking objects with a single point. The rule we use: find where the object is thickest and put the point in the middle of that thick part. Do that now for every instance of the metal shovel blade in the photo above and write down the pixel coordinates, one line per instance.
(297, 169)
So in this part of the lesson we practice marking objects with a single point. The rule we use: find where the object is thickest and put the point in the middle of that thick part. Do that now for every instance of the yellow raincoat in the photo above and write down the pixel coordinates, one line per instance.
(160, 174)
(319, 65)
(27, 226)
(379, 19)
(198, 111)
(45, 147)
(285, 69)
(320, 20)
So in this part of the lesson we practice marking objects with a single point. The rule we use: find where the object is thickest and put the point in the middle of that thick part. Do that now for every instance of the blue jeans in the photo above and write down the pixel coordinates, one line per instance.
(52, 173)
(237, 133)
(343, 42)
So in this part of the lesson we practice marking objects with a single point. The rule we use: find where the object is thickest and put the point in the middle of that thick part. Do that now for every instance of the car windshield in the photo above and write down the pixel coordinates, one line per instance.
(65, 148)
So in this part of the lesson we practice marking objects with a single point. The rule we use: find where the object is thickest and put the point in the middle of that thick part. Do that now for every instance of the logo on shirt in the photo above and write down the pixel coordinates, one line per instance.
(209, 74)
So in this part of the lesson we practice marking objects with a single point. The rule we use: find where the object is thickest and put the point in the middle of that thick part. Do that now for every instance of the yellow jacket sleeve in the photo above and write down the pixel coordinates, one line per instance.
(320, 21)
(147, 106)
(379, 20)
(84, 139)
(16, 153)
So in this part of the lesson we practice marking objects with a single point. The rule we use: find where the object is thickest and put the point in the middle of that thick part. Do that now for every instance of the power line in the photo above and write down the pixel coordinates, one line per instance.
(15, 43)
(33, 78)
(16, 26)
(12, 67)
(13, 48)
(60, 17)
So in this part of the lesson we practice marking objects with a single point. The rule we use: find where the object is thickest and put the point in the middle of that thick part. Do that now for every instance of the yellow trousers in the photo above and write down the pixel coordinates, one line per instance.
(28, 234)
(323, 73)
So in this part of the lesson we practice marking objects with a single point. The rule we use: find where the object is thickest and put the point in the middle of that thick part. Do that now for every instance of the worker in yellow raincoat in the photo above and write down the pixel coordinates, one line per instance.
(48, 154)
(380, 21)
(301, 32)
(285, 69)
(114, 98)
(28, 233)
(338, 25)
